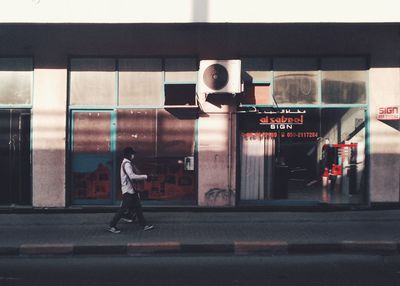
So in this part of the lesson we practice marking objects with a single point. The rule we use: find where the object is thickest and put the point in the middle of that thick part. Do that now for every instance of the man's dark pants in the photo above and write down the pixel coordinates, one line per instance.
(132, 203)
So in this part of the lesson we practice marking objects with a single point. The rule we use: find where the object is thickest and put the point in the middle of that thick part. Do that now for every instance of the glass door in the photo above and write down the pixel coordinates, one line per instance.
(303, 156)
(15, 163)
(92, 157)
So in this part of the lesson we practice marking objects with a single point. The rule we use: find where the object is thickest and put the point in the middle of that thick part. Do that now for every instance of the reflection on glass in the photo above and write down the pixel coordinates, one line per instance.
(345, 87)
(296, 80)
(344, 80)
(91, 156)
(180, 70)
(296, 87)
(15, 80)
(140, 82)
(92, 81)
(137, 128)
(92, 132)
(162, 140)
(168, 179)
(175, 133)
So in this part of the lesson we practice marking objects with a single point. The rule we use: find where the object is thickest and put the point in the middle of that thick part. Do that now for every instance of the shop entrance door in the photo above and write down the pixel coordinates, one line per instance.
(15, 163)
(311, 156)
(92, 147)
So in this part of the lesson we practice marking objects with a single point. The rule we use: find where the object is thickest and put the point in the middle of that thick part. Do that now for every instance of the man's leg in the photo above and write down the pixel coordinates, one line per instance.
(137, 206)
(129, 215)
(126, 203)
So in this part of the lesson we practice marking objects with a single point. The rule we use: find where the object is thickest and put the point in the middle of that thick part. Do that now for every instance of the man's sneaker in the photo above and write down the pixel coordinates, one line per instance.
(113, 229)
(148, 227)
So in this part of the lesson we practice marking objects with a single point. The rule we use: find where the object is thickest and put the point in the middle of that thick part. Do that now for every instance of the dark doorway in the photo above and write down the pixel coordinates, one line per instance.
(15, 159)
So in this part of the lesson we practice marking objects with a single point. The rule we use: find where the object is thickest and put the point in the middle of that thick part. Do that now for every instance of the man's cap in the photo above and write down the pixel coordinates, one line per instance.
(128, 151)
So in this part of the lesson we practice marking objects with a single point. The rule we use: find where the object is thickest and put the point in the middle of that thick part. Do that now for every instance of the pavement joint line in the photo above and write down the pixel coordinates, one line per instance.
(46, 249)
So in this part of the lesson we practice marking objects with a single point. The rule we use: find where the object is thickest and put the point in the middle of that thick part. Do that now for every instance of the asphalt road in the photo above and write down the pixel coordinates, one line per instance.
(282, 270)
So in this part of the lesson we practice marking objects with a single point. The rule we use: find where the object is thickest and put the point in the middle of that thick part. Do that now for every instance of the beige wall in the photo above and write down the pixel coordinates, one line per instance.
(384, 137)
(216, 152)
(48, 137)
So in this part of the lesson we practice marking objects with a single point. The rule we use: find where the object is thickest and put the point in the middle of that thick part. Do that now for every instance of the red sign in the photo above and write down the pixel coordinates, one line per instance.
(388, 113)
(282, 120)
(298, 124)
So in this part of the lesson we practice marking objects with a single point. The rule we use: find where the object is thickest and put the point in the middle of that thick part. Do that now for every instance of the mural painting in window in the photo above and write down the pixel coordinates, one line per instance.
(163, 140)
(91, 157)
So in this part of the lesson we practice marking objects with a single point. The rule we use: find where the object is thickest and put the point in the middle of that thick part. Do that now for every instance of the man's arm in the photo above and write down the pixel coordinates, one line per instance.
(132, 175)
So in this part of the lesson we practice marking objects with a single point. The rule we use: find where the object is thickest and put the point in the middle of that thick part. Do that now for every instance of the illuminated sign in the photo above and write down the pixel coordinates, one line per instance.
(282, 120)
(388, 113)
(291, 123)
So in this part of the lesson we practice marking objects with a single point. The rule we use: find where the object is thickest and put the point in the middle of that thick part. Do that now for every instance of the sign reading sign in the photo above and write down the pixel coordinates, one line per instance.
(284, 123)
(388, 113)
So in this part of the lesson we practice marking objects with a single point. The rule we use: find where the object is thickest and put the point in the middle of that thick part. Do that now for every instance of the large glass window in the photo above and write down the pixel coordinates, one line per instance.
(344, 80)
(136, 90)
(16, 81)
(140, 82)
(175, 133)
(92, 82)
(137, 128)
(183, 70)
(91, 156)
(133, 82)
(165, 145)
(296, 80)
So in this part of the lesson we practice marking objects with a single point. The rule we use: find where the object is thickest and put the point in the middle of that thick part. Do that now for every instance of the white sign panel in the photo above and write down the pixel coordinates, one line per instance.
(388, 113)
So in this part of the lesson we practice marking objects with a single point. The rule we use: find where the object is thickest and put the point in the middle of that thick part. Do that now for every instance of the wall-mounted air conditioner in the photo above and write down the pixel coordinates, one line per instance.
(219, 76)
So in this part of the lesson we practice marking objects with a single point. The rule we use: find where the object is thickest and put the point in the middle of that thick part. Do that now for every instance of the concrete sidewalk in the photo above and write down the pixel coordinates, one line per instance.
(237, 233)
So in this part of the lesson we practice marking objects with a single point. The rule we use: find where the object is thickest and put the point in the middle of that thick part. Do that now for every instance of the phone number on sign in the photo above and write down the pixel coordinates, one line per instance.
(300, 134)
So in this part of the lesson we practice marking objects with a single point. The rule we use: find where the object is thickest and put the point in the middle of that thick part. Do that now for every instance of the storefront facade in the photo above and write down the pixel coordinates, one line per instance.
(302, 130)
(297, 130)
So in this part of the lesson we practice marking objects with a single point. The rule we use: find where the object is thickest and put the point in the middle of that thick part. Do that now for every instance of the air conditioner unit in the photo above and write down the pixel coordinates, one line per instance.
(219, 76)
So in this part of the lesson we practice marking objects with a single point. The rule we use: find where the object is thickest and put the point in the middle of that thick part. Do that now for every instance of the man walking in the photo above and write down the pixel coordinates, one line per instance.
(130, 196)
